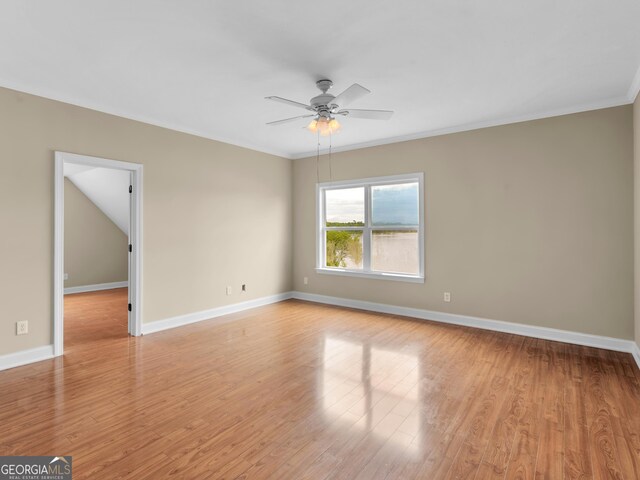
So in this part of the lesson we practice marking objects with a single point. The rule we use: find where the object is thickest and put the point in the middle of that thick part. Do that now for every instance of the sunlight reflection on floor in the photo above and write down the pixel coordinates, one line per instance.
(379, 390)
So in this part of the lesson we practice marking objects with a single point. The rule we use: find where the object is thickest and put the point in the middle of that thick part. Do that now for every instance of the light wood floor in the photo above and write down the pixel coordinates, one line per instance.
(93, 318)
(303, 391)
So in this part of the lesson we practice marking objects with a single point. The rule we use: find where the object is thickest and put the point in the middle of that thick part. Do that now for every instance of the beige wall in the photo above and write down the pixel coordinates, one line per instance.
(636, 170)
(529, 223)
(214, 214)
(95, 249)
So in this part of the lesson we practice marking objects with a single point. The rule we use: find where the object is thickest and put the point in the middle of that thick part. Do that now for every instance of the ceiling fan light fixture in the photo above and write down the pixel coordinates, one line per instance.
(326, 126)
(313, 126)
(333, 126)
(325, 106)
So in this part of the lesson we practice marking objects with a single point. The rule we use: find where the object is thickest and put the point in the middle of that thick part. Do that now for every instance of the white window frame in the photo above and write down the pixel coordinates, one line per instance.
(367, 229)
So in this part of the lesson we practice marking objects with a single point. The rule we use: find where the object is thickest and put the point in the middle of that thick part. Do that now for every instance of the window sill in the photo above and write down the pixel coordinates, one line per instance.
(399, 277)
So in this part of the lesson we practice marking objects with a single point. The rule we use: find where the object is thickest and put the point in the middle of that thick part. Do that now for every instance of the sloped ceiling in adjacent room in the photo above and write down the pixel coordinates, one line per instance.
(107, 188)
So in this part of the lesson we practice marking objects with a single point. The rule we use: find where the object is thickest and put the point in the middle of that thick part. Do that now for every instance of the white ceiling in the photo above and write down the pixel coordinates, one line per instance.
(205, 66)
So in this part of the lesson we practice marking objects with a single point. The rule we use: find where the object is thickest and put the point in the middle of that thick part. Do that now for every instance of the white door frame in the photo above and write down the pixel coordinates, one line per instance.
(135, 235)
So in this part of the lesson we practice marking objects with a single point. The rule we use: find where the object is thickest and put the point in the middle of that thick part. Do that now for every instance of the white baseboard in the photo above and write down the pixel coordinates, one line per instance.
(95, 288)
(636, 353)
(545, 333)
(24, 357)
(43, 353)
(194, 317)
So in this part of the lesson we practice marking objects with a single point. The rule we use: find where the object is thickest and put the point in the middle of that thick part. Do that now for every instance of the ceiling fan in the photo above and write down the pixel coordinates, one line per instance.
(326, 107)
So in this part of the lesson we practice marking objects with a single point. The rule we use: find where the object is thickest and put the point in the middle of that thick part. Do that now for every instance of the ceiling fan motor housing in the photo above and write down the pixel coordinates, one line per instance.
(323, 100)
(324, 85)
(326, 106)
(323, 103)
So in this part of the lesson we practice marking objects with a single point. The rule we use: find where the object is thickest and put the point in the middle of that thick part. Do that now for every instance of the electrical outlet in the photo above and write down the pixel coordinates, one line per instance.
(244, 288)
(22, 328)
(66, 276)
(447, 296)
(229, 290)
(305, 280)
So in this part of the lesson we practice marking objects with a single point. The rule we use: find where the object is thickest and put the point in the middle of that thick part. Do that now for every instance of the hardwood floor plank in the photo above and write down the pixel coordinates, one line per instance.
(297, 390)
(577, 456)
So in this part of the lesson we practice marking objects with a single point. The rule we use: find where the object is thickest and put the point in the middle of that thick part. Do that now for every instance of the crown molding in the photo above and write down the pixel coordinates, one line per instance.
(50, 95)
(68, 99)
(634, 88)
(612, 102)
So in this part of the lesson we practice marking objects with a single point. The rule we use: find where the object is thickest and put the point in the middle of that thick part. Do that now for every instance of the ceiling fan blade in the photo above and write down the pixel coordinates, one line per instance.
(368, 114)
(292, 119)
(293, 103)
(351, 94)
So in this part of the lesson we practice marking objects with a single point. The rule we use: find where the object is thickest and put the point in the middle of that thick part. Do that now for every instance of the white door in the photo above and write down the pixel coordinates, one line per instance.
(130, 328)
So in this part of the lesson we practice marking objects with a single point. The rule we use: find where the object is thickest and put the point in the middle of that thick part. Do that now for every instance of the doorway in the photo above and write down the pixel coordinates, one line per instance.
(97, 173)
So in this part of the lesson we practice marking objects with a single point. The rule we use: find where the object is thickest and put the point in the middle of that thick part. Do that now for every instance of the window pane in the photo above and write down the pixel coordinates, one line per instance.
(344, 207)
(394, 204)
(344, 249)
(395, 251)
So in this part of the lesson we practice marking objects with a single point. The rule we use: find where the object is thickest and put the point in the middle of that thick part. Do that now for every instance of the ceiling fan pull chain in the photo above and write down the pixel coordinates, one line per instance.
(330, 158)
(318, 159)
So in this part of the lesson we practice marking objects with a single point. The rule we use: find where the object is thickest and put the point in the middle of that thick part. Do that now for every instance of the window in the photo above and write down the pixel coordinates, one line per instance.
(372, 228)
